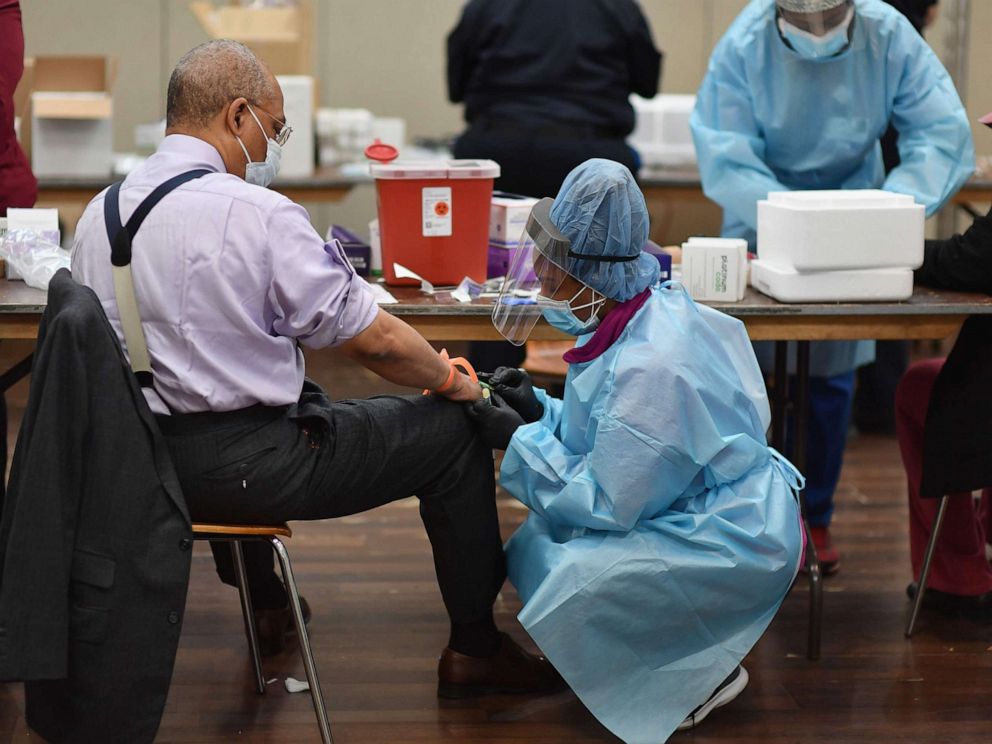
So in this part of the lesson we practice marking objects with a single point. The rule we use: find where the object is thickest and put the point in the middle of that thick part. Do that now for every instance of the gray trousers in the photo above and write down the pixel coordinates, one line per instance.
(319, 459)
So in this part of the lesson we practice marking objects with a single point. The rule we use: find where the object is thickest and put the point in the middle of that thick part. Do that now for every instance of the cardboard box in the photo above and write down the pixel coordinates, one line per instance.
(715, 269)
(71, 114)
(45, 222)
(282, 37)
(508, 218)
(298, 102)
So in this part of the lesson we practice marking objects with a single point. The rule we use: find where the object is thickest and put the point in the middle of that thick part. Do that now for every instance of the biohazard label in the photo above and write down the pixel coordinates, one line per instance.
(437, 212)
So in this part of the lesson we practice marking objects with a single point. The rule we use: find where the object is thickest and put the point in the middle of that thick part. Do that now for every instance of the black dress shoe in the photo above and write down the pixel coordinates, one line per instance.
(510, 670)
(977, 608)
(272, 627)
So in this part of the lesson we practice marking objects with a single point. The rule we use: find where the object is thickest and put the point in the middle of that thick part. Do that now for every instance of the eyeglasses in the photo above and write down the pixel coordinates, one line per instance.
(282, 136)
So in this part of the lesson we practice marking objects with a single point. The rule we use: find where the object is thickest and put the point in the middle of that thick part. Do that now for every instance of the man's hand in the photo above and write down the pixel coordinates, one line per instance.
(496, 421)
(516, 388)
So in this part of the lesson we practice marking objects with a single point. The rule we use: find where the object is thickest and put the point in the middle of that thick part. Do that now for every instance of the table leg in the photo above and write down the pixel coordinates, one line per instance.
(801, 424)
(780, 396)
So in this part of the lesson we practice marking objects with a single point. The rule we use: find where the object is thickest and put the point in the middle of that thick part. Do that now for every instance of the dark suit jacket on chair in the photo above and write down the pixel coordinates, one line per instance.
(957, 440)
(95, 538)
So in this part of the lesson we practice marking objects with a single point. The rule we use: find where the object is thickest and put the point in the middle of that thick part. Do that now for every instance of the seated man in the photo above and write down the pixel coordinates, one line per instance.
(231, 279)
(664, 532)
(960, 580)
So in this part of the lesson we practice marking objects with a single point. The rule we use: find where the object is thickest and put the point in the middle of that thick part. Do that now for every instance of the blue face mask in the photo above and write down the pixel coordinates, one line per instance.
(811, 46)
(562, 315)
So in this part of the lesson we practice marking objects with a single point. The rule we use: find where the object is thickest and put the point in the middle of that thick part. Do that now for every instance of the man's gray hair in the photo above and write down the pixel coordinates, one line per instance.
(209, 77)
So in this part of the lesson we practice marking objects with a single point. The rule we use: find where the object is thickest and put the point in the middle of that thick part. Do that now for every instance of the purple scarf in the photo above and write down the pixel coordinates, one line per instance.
(608, 331)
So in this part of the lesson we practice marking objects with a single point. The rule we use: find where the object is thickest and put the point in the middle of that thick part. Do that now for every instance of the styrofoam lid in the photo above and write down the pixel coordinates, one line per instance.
(436, 169)
(851, 199)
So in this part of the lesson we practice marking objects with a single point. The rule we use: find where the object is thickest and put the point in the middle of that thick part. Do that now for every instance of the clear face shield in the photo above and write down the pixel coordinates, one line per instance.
(535, 275)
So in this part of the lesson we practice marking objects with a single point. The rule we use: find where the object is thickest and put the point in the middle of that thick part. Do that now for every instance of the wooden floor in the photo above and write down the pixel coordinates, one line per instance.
(378, 626)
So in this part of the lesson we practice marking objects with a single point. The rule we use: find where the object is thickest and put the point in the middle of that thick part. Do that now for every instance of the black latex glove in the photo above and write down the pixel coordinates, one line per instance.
(496, 421)
(517, 389)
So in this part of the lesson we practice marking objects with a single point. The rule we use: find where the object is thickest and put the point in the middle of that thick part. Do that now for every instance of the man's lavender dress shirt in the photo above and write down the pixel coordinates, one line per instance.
(229, 277)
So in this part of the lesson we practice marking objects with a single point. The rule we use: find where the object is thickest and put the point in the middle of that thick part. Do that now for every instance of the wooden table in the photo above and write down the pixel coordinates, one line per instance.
(327, 184)
(930, 314)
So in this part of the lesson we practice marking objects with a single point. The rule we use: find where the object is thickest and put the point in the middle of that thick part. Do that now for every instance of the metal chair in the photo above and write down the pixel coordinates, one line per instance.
(921, 587)
(237, 534)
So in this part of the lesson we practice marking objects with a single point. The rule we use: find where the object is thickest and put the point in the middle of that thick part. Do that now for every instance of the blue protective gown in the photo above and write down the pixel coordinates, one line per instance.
(664, 532)
(767, 120)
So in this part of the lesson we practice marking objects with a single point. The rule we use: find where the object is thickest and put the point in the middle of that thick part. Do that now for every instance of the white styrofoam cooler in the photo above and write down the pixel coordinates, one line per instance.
(841, 230)
(662, 135)
(863, 285)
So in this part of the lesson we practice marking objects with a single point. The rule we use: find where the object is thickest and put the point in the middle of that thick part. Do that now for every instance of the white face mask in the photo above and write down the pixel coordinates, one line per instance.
(811, 46)
(262, 174)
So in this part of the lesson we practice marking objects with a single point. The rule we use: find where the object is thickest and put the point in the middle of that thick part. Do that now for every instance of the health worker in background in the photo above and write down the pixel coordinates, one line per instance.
(664, 532)
(546, 86)
(797, 96)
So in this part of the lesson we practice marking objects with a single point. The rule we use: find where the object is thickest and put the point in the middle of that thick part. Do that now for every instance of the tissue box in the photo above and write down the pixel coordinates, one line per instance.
(72, 116)
(298, 97)
(715, 269)
(864, 285)
(508, 219)
(840, 230)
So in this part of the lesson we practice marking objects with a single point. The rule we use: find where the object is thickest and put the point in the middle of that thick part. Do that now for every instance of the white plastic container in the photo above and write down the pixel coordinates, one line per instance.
(840, 230)
(715, 269)
(863, 285)
(297, 155)
(661, 134)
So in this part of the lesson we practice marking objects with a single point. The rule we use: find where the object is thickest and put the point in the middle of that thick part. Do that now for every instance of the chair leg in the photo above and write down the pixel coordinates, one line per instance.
(245, 593)
(927, 561)
(304, 640)
(815, 597)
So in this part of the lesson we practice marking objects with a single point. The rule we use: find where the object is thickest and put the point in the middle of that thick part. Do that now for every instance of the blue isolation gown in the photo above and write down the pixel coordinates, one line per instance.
(664, 532)
(767, 119)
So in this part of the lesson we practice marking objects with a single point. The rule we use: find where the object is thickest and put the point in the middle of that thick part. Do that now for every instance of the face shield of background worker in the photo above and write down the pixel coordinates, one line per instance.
(663, 532)
(231, 278)
(788, 105)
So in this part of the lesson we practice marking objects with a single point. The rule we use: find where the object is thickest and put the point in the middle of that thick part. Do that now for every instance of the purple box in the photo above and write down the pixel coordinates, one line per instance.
(501, 255)
(359, 252)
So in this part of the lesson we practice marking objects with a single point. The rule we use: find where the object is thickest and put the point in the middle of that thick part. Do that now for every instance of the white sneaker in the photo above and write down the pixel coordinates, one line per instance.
(729, 689)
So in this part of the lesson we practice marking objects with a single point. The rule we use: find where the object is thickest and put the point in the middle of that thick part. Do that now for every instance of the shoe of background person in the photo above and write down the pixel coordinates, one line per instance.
(977, 608)
(825, 551)
(272, 627)
(729, 689)
(510, 670)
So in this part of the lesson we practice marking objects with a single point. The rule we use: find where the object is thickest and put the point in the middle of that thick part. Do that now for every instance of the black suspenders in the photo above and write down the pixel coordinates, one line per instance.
(121, 237)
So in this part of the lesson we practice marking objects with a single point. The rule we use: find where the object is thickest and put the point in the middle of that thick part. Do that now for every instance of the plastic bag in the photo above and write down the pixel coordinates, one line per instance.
(35, 257)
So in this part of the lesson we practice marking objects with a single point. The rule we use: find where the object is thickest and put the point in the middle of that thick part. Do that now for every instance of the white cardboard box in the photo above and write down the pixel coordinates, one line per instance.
(72, 116)
(841, 230)
(298, 96)
(715, 269)
(508, 218)
(859, 285)
(42, 221)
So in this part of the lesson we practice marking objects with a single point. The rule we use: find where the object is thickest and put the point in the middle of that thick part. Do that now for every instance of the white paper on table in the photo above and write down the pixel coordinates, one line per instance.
(402, 272)
(382, 295)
